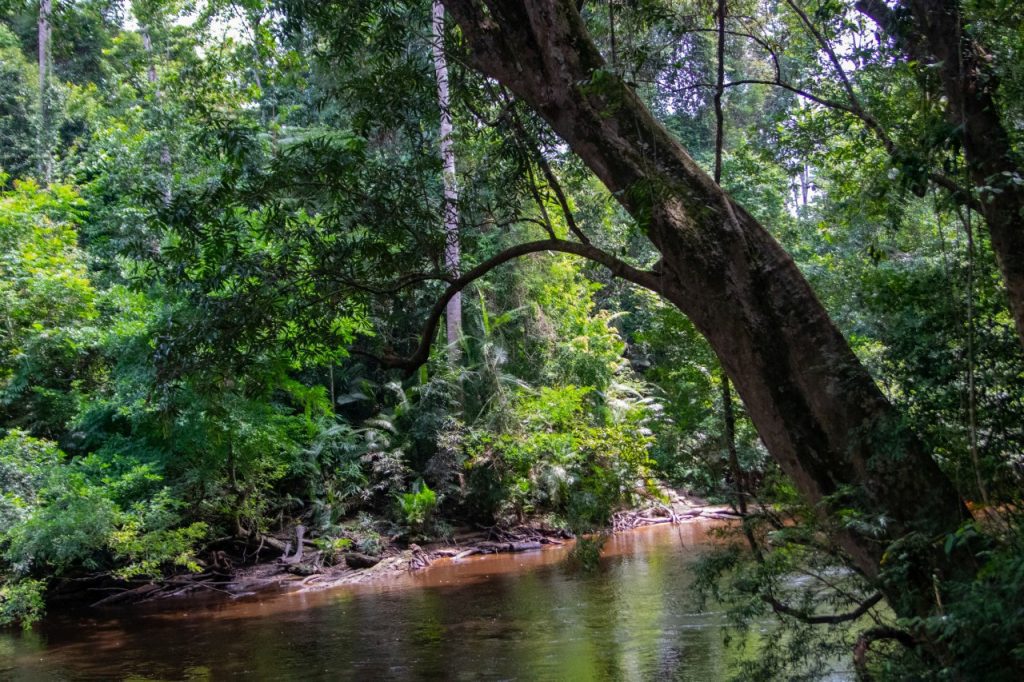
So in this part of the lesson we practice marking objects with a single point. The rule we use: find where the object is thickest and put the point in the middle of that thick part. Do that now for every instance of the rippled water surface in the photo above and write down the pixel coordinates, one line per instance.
(506, 617)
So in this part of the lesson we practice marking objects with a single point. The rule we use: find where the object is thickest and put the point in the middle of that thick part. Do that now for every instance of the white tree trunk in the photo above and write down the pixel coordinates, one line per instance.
(453, 312)
(45, 162)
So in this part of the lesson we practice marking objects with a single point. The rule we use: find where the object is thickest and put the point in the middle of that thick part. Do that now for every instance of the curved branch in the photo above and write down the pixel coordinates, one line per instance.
(867, 638)
(617, 267)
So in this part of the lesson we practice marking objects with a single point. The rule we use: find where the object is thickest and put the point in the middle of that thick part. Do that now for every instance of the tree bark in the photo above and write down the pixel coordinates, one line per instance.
(814, 405)
(44, 34)
(453, 313)
(932, 31)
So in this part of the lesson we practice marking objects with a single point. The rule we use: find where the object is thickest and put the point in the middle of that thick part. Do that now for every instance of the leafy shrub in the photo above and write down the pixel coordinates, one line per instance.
(87, 516)
(25, 463)
(418, 506)
(561, 457)
(21, 602)
(333, 548)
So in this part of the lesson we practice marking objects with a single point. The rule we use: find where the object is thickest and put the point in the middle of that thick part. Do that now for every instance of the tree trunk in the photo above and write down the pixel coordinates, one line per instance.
(453, 313)
(935, 34)
(44, 32)
(814, 405)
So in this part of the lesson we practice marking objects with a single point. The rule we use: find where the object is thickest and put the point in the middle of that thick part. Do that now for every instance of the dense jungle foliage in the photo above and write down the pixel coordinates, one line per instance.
(222, 228)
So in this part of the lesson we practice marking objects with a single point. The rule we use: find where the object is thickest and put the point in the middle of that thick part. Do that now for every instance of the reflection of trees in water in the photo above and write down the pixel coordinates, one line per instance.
(626, 620)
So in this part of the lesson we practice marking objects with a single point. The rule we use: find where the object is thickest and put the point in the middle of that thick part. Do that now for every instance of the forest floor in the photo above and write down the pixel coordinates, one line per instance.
(274, 566)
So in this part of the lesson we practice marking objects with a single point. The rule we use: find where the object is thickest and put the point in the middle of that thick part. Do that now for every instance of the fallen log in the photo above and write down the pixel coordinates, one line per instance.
(652, 520)
(360, 560)
(465, 553)
(126, 595)
(446, 553)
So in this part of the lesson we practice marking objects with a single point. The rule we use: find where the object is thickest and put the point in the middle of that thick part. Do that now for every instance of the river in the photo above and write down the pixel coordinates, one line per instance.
(528, 616)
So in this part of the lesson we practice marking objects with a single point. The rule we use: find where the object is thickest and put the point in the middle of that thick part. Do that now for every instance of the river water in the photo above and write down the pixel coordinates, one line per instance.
(527, 616)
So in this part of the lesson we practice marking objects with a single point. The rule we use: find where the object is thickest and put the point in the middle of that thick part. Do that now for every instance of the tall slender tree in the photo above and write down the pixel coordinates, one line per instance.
(45, 33)
(728, 413)
(452, 258)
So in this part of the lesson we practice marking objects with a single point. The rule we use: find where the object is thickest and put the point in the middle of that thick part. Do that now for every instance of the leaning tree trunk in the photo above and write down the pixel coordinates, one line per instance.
(814, 405)
(453, 313)
(933, 32)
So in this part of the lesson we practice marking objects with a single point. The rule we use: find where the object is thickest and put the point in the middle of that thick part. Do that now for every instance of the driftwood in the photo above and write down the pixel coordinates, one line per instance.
(360, 560)
(446, 553)
(662, 513)
(172, 587)
(466, 553)
(300, 531)
(420, 559)
(224, 573)
(128, 594)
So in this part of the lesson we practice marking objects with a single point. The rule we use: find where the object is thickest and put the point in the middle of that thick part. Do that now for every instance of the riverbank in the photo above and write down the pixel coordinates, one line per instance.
(524, 616)
(314, 569)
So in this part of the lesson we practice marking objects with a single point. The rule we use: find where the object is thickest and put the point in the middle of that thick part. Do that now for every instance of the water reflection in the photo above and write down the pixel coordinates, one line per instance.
(493, 618)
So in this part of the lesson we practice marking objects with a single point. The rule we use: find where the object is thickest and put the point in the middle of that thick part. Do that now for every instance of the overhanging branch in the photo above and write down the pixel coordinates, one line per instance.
(616, 266)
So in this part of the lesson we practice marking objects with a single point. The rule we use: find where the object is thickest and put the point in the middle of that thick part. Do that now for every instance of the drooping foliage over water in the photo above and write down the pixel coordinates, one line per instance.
(222, 235)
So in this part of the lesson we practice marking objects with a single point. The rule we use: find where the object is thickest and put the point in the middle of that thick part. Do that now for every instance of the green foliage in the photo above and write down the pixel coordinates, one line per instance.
(333, 548)
(981, 623)
(22, 602)
(177, 306)
(48, 303)
(800, 572)
(65, 518)
(559, 459)
(417, 506)
(18, 109)
(86, 515)
(25, 463)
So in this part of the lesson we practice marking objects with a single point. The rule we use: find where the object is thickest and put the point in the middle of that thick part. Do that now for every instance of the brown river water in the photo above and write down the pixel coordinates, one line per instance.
(526, 616)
